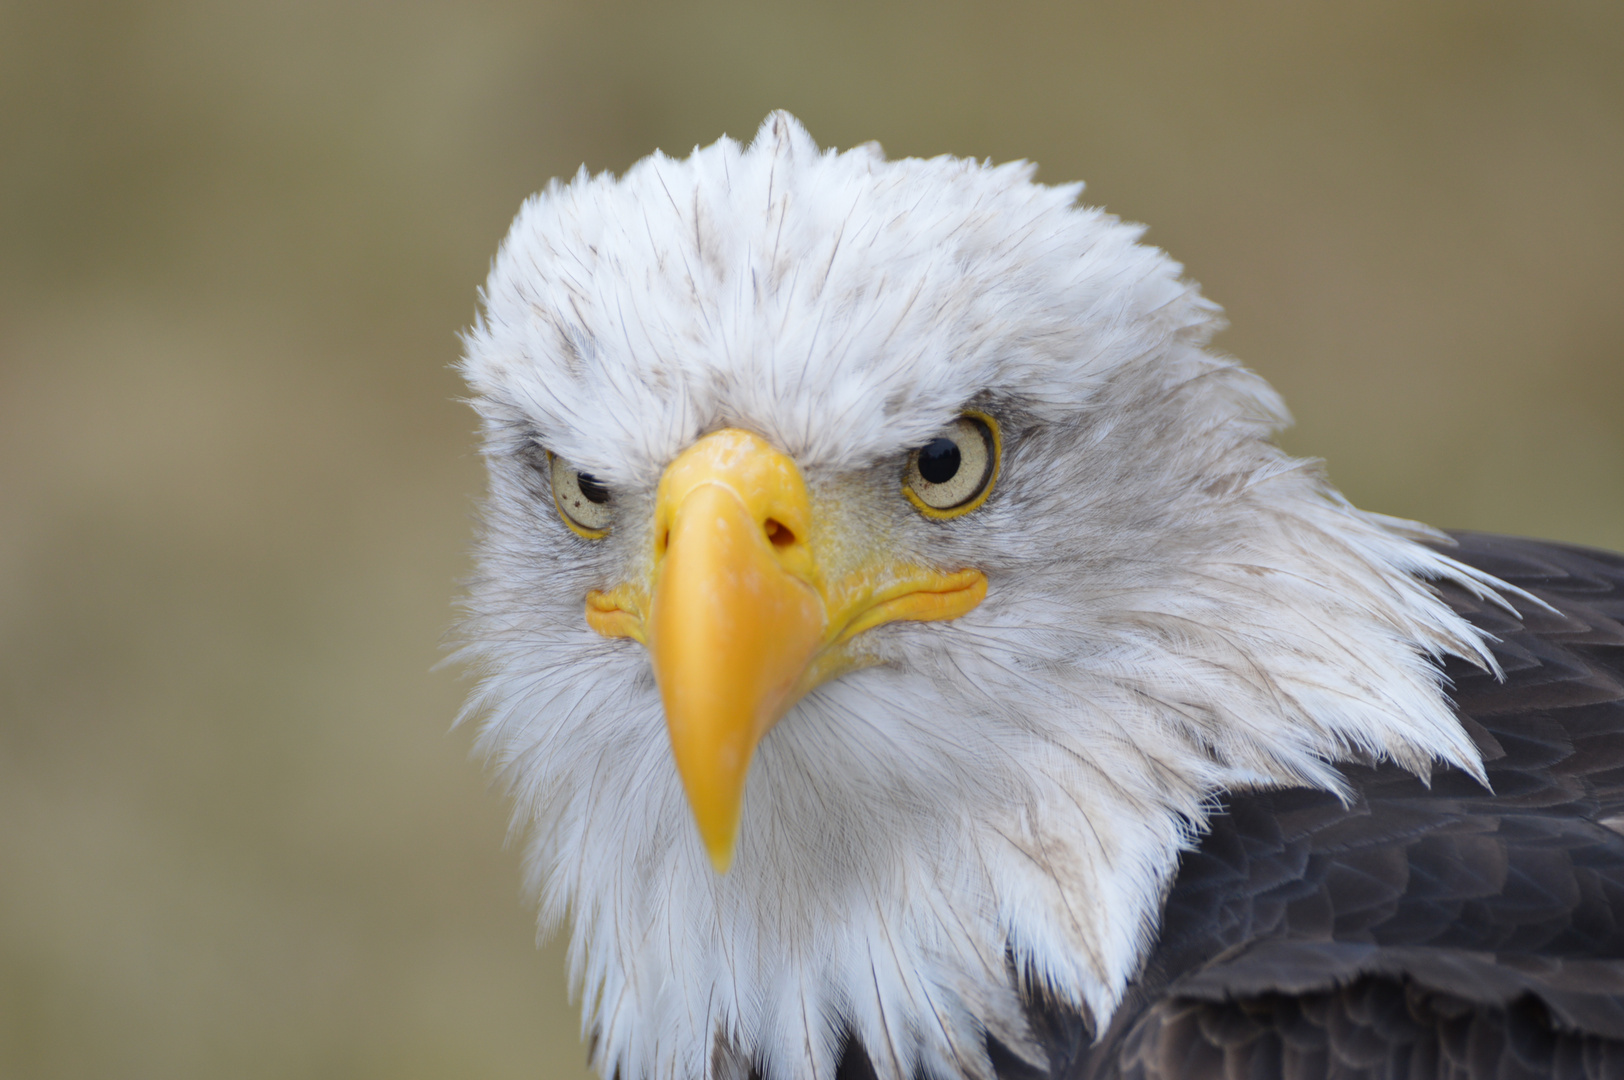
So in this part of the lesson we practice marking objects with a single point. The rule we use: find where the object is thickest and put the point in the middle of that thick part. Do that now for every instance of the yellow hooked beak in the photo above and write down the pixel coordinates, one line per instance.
(740, 619)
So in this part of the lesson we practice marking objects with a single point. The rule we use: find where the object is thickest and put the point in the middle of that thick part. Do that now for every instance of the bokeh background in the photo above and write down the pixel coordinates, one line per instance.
(237, 242)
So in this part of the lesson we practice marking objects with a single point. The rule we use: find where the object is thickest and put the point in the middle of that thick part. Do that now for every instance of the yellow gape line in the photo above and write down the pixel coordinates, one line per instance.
(738, 618)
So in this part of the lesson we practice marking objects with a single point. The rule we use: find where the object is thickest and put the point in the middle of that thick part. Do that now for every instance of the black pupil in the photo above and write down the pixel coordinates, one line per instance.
(939, 461)
(594, 491)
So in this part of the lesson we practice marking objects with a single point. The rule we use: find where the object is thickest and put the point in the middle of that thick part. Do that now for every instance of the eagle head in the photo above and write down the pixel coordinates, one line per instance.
(880, 577)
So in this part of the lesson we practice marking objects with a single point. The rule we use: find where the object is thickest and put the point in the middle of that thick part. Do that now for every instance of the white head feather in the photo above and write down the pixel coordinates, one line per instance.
(1175, 607)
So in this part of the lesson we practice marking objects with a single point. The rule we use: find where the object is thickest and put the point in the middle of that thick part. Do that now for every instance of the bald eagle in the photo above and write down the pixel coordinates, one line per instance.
(910, 657)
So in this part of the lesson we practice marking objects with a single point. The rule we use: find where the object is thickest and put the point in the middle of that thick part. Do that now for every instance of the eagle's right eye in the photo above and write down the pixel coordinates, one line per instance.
(582, 500)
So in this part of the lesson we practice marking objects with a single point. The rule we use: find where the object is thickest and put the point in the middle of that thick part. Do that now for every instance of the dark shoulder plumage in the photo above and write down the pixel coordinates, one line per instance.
(1448, 931)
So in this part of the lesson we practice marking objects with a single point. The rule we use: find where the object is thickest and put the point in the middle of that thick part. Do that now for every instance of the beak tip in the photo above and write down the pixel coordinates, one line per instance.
(721, 856)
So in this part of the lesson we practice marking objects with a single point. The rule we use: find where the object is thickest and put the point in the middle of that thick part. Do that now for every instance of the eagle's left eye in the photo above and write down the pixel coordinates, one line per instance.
(954, 472)
(582, 501)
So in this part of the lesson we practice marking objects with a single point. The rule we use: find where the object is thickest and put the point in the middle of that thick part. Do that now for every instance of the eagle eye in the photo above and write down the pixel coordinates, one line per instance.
(581, 498)
(954, 472)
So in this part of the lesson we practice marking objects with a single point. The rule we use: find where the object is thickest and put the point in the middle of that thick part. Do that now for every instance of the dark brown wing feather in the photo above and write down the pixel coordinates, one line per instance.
(1447, 932)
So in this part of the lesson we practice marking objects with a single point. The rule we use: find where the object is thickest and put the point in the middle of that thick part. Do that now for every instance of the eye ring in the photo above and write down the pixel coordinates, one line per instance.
(954, 473)
(582, 501)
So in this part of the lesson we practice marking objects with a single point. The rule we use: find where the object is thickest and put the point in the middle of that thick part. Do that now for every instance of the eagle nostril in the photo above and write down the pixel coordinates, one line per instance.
(778, 534)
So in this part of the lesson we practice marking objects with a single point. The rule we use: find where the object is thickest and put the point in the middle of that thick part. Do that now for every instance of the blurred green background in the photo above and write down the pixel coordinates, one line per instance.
(237, 242)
